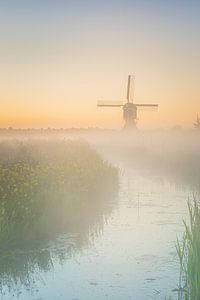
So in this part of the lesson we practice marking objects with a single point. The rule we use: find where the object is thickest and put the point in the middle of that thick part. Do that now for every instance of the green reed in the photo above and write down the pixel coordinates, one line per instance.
(188, 251)
(46, 185)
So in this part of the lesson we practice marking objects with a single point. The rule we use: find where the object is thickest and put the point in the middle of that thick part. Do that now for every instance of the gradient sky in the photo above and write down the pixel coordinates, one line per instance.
(57, 58)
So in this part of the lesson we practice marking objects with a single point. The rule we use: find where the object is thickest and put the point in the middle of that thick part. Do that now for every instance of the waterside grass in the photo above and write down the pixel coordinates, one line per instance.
(188, 251)
(47, 186)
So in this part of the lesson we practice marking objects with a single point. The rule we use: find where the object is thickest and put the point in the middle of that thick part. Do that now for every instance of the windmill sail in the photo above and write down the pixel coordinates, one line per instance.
(110, 103)
(147, 107)
(130, 88)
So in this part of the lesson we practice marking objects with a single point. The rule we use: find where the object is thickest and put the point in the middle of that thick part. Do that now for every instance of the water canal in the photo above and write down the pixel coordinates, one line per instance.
(127, 253)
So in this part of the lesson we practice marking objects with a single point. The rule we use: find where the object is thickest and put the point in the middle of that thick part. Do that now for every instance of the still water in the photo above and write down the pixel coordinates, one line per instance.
(128, 253)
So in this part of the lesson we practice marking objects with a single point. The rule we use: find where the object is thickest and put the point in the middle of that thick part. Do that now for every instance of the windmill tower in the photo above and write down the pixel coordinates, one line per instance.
(129, 108)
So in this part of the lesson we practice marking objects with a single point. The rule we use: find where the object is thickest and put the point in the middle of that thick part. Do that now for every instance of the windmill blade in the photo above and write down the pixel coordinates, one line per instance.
(130, 88)
(147, 104)
(147, 107)
(109, 103)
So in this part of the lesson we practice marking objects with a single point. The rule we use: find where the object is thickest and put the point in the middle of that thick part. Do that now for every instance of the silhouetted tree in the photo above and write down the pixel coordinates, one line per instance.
(197, 123)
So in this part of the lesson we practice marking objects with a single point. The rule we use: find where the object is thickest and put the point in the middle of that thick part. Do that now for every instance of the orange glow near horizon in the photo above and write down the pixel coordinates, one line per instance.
(55, 65)
(54, 104)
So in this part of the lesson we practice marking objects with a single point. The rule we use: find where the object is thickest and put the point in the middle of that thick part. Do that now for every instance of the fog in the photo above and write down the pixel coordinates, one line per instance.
(117, 241)
(172, 153)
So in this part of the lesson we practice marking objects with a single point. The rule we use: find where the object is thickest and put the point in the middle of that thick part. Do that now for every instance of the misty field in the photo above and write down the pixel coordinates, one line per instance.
(62, 216)
(47, 186)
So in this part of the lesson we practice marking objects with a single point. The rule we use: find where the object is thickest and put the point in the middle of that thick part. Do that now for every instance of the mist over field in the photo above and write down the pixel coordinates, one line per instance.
(100, 150)
(72, 193)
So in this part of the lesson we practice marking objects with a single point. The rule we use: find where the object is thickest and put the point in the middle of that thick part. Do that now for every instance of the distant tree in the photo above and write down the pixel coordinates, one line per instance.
(197, 123)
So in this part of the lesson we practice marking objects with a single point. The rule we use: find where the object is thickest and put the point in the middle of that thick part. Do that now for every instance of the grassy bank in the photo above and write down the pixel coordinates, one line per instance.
(46, 187)
(188, 251)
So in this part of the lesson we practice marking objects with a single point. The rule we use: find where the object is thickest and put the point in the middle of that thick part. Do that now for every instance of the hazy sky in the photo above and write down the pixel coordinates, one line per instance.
(57, 58)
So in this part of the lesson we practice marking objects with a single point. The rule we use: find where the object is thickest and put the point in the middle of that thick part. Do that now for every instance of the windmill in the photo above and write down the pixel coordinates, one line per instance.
(129, 108)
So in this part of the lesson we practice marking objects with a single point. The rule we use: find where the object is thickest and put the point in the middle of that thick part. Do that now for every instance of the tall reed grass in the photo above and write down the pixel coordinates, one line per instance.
(188, 251)
(47, 186)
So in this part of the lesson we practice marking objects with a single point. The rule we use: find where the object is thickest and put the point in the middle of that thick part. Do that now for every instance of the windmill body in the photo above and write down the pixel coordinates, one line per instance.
(130, 115)
(129, 108)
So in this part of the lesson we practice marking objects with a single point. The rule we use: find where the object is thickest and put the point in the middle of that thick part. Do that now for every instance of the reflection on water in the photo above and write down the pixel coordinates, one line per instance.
(122, 253)
(21, 267)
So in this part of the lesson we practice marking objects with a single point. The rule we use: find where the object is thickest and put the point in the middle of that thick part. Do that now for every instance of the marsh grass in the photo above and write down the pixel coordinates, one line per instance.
(188, 251)
(46, 187)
